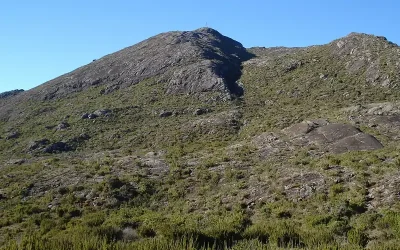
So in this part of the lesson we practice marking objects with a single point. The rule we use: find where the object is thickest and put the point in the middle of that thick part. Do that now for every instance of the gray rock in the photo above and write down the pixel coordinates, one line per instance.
(39, 144)
(335, 131)
(201, 111)
(164, 114)
(335, 137)
(62, 126)
(13, 135)
(323, 76)
(102, 112)
(57, 147)
(300, 129)
(85, 116)
(92, 116)
(357, 142)
(224, 122)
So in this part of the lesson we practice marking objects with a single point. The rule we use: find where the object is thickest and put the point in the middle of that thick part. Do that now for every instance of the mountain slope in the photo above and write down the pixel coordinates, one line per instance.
(158, 143)
(188, 62)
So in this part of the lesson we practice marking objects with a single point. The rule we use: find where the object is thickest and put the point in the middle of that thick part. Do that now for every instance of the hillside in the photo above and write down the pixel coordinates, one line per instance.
(189, 140)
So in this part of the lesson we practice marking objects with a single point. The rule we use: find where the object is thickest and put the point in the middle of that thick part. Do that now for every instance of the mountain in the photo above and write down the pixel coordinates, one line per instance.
(187, 62)
(188, 140)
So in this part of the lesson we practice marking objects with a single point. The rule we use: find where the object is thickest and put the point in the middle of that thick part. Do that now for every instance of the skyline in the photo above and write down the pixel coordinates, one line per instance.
(45, 39)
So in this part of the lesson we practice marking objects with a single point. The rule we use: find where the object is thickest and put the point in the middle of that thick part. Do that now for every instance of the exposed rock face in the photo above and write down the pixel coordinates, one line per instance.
(362, 53)
(187, 62)
(336, 137)
(384, 117)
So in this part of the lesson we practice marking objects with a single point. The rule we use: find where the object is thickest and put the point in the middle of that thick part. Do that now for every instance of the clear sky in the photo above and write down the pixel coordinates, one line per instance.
(42, 39)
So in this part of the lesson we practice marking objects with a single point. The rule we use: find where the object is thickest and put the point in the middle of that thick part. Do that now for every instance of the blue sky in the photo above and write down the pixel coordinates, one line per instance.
(41, 39)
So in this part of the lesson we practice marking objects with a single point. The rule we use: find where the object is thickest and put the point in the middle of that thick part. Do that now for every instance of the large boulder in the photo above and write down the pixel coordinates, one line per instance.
(335, 137)
(357, 142)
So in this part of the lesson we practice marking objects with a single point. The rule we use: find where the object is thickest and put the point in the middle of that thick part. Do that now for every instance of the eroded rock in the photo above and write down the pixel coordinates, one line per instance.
(357, 142)
(334, 137)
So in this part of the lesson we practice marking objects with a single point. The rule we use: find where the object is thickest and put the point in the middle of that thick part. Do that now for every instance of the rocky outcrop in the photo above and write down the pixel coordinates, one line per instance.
(335, 137)
(383, 117)
(38, 145)
(364, 54)
(62, 126)
(187, 62)
(228, 122)
(97, 113)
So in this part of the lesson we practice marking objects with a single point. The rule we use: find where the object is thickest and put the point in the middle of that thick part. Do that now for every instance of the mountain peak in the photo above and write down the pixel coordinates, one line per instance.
(185, 62)
(365, 36)
(207, 30)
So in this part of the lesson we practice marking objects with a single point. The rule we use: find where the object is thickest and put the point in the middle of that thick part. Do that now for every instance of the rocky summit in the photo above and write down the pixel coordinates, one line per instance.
(188, 140)
(186, 62)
